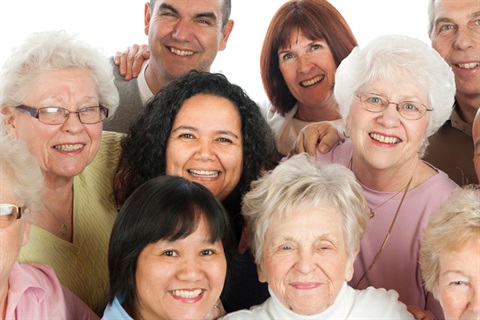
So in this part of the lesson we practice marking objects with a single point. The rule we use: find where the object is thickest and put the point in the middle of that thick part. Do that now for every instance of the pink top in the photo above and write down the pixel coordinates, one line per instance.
(35, 293)
(397, 268)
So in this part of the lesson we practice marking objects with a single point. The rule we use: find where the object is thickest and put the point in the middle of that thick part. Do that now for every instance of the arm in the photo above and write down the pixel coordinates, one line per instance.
(318, 135)
(420, 314)
(130, 61)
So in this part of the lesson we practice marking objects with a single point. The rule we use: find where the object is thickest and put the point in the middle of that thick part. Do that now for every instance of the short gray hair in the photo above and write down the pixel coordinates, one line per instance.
(51, 51)
(431, 17)
(301, 183)
(22, 168)
(390, 55)
(457, 221)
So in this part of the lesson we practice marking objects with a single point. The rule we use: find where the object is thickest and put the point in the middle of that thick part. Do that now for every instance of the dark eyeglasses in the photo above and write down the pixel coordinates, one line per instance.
(9, 213)
(56, 115)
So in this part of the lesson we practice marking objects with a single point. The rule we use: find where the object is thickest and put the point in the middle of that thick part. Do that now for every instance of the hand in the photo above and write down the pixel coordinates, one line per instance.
(130, 61)
(420, 314)
(318, 135)
(216, 311)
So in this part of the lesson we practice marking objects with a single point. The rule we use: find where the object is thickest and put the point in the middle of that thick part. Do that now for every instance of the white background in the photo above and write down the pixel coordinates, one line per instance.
(113, 25)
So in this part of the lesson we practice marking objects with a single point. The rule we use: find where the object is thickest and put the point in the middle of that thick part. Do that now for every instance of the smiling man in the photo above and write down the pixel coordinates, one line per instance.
(182, 35)
(455, 34)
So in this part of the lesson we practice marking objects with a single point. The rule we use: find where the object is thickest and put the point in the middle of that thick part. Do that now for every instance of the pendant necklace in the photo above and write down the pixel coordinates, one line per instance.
(63, 225)
(374, 260)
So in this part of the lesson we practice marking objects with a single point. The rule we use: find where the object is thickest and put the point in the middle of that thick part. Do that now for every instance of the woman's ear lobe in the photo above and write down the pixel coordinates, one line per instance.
(8, 121)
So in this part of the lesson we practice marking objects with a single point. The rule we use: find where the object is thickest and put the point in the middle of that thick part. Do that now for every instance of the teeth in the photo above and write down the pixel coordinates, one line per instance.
(311, 82)
(181, 52)
(383, 139)
(187, 294)
(69, 147)
(469, 65)
(204, 173)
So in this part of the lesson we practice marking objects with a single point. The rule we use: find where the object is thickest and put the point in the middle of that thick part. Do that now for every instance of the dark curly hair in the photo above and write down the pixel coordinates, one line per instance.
(144, 148)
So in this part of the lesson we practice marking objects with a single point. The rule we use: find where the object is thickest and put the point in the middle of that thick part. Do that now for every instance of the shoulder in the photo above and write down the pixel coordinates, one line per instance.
(387, 305)
(115, 311)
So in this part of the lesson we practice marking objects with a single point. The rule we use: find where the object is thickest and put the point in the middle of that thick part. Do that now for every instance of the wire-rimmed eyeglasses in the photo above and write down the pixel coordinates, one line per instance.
(57, 115)
(409, 110)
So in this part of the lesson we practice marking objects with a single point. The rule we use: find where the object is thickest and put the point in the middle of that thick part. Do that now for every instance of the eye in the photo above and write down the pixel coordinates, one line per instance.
(205, 22)
(410, 107)
(375, 100)
(315, 47)
(89, 110)
(207, 252)
(286, 247)
(457, 283)
(186, 136)
(224, 140)
(287, 56)
(169, 253)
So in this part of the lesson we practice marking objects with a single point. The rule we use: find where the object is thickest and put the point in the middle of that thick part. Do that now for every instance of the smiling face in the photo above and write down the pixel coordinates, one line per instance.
(459, 281)
(456, 36)
(62, 150)
(305, 260)
(385, 140)
(308, 68)
(180, 279)
(184, 35)
(205, 144)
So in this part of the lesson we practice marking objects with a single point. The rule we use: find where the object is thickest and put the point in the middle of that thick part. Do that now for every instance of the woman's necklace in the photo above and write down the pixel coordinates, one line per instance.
(405, 190)
(63, 225)
(372, 210)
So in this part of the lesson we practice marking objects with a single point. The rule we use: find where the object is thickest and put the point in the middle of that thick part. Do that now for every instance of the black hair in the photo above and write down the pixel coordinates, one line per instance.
(165, 208)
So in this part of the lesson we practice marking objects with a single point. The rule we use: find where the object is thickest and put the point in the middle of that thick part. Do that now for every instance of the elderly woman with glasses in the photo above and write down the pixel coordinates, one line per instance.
(55, 93)
(22, 285)
(305, 221)
(393, 94)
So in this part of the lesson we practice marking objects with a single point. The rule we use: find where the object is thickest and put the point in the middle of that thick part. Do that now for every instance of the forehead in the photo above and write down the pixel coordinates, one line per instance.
(456, 8)
(192, 7)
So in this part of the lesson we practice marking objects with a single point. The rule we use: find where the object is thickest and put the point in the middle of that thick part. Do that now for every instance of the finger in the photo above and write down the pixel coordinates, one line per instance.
(329, 140)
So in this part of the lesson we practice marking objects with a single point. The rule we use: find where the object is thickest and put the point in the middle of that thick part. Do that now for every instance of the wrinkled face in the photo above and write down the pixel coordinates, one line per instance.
(456, 36)
(13, 236)
(184, 35)
(305, 260)
(308, 68)
(459, 281)
(476, 144)
(180, 279)
(205, 144)
(62, 150)
(385, 140)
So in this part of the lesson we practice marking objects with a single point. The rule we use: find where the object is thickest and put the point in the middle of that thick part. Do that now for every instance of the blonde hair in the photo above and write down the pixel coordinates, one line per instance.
(457, 221)
(300, 183)
(22, 169)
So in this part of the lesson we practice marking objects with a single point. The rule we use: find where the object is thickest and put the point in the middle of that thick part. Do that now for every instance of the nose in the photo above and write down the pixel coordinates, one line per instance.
(73, 124)
(182, 31)
(475, 301)
(390, 117)
(305, 262)
(466, 38)
(304, 63)
(205, 151)
(190, 270)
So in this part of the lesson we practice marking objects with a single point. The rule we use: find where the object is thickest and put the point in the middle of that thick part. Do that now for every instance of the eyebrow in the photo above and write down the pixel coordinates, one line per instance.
(208, 15)
(446, 19)
(190, 128)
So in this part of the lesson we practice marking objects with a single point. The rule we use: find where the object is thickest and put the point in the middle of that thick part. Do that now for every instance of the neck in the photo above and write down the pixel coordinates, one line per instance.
(467, 106)
(154, 81)
(390, 179)
(324, 112)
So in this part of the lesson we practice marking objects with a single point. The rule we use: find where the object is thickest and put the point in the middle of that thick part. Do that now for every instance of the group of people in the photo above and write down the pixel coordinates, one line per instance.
(185, 211)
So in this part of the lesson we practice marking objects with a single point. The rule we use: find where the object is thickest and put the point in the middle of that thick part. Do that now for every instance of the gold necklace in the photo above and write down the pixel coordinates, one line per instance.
(372, 210)
(63, 225)
(389, 230)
